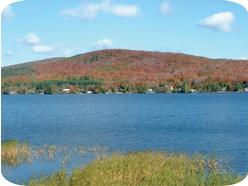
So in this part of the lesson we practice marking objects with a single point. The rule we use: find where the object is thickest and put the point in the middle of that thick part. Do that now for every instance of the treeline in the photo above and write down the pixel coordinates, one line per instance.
(75, 84)
(86, 84)
(126, 71)
(16, 70)
(183, 87)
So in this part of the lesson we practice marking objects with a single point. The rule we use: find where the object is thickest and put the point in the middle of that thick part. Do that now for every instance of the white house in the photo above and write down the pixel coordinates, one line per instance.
(119, 92)
(66, 90)
(13, 92)
(193, 90)
(171, 87)
(31, 91)
(149, 91)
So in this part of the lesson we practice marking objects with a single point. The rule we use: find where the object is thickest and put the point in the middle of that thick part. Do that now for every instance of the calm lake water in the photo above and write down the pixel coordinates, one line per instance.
(215, 124)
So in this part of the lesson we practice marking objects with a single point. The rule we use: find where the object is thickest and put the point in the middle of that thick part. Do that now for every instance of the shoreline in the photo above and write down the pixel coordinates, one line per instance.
(193, 168)
(130, 93)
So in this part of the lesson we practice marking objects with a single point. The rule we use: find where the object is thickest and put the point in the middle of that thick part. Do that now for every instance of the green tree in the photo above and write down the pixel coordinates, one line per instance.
(239, 87)
(141, 89)
(49, 90)
(186, 87)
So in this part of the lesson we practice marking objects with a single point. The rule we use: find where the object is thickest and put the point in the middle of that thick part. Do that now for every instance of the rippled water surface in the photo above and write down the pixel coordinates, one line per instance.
(192, 123)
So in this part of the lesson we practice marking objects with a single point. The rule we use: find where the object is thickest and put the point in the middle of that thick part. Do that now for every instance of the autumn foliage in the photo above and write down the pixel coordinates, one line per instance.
(116, 66)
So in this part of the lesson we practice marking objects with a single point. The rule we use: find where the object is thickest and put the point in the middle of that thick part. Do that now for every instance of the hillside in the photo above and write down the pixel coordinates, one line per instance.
(126, 71)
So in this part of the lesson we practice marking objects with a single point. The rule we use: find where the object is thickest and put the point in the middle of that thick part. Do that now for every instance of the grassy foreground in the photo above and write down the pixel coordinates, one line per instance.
(143, 168)
(13, 152)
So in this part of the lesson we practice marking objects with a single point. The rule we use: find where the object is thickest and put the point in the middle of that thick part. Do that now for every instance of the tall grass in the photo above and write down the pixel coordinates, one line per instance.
(13, 152)
(143, 168)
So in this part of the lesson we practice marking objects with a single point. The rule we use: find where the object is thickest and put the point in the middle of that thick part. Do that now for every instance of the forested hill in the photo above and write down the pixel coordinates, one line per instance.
(126, 71)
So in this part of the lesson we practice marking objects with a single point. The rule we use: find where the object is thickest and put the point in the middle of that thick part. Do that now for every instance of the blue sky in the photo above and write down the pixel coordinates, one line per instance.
(38, 29)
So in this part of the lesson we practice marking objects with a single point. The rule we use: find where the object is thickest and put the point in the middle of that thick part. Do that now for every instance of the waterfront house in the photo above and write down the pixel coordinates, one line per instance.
(66, 90)
(193, 90)
(171, 88)
(119, 92)
(31, 91)
(13, 92)
(149, 91)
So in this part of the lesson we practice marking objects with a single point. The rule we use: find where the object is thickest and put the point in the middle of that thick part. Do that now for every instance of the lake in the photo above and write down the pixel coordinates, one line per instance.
(206, 123)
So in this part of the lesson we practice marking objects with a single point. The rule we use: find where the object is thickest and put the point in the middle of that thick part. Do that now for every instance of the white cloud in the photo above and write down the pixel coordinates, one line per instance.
(91, 10)
(31, 39)
(86, 11)
(42, 49)
(165, 8)
(37, 46)
(102, 44)
(7, 13)
(220, 22)
(125, 10)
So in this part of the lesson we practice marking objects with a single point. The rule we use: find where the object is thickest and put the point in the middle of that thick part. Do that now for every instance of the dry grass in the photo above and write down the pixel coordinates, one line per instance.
(143, 168)
(13, 153)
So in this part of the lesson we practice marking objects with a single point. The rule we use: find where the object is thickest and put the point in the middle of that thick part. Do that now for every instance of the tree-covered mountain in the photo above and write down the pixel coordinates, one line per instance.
(126, 71)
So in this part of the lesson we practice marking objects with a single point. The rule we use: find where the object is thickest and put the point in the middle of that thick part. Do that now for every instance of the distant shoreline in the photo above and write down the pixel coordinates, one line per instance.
(216, 92)
(126, 71)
